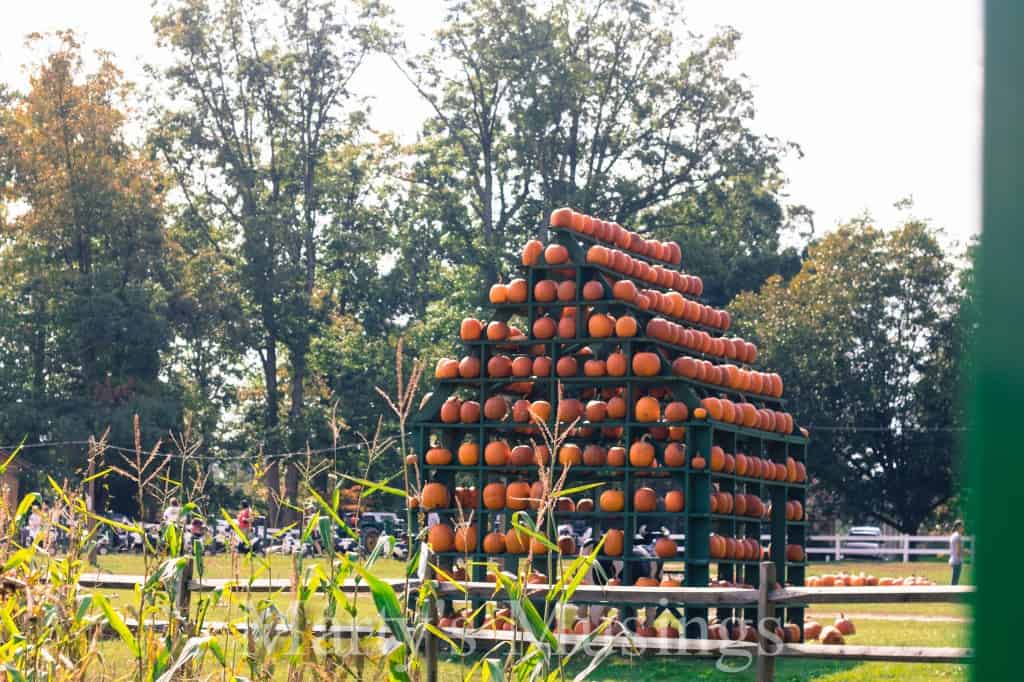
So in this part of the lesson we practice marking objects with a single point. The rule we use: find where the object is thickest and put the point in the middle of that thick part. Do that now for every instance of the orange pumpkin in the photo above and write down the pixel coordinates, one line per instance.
(831, 635)
(566, 546)
(520, 455)
(567, 290)
(469, 412)
(675, 501)
(625, 326)
(717, 458)
(469, 454)
(676, 412)
(441, 538)
(569, 409)
(647, 409)
(470, 329)
(566, 366)
(540, 410)
(497, 330)
(594, 455)
(465, 538)
(556, 254)
(494, 543)
(641, 453)
(566, 328)
(585, 505)
(665, 548)
(495, 408)
(624, 290)
(646, 364)
(675, 455)
(532, 251)
(570, 455)
(544, 328)
(517, 495)
(613, 542)
(522, 366)
(494, 496)
(713, 407)
(645, 500)
(596, 410)
(612, 501)
(600, 325)
(438, 456)
(616, 456)
(498, 294)
(496, 453)
(593, 291)
(516, 541)
(545, 291)
(446, 368)
(435, 496)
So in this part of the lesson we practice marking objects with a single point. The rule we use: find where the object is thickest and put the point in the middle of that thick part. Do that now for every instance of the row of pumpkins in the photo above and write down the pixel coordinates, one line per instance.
(646, 409)
(601, 325)
(866, 580)
(521, 495)
(733, 629)
(641, 454)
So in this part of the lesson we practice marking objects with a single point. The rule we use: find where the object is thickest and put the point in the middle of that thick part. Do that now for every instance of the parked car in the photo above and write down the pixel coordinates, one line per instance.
(374, 524)
(866, 541)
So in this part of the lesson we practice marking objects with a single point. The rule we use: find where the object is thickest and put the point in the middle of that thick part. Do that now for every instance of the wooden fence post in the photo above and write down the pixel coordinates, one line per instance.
(906, 548)
(765, 623)
(183, 599)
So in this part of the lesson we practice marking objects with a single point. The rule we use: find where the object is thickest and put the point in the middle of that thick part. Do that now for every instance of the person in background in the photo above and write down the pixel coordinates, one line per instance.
(35, 523)
(172, 513)
(956, 549)
(244, 519)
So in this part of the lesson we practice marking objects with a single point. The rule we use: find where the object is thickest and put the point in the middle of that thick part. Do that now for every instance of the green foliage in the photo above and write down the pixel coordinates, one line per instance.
(260, 110)
(82, 279)
(603, 107)
(869, 337)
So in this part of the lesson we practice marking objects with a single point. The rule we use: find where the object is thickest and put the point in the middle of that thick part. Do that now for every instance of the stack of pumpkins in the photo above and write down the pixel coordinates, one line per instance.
(610, 317)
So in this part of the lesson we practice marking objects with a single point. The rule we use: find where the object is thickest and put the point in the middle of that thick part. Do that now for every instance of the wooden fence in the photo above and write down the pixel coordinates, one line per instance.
(763, 653)
(896, 547)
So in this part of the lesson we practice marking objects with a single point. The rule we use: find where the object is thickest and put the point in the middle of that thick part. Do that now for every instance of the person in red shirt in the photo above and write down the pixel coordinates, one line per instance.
(244, 519)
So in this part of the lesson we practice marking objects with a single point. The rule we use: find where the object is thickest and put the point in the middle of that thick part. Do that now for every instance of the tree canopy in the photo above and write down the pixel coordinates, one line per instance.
(238, 252)
(869, 339)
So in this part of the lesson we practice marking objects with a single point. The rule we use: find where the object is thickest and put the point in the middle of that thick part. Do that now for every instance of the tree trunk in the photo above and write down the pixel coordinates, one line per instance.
(296, 428)
(272, 477)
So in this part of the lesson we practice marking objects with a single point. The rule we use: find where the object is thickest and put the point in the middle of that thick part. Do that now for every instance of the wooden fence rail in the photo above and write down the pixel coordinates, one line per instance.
(766, 599)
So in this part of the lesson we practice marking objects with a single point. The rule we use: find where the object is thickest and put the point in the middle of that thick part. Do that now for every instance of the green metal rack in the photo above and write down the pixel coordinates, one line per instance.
(696, 521)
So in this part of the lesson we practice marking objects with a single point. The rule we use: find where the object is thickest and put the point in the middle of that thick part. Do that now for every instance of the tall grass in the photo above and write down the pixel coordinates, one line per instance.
(53, 628)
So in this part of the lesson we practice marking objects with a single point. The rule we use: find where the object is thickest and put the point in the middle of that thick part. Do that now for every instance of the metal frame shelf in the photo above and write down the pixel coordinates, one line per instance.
(696, 523)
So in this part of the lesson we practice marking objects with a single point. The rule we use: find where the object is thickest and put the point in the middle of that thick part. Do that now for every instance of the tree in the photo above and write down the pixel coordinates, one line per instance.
(868, 338)
(260, 102)
(82, 251)
(730, 233)
(605, 107)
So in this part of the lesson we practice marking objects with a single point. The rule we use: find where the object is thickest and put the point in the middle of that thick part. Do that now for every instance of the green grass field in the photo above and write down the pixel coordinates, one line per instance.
(900, 628)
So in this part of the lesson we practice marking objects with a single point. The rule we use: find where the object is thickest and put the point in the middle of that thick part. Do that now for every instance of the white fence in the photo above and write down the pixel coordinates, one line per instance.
(891, 547)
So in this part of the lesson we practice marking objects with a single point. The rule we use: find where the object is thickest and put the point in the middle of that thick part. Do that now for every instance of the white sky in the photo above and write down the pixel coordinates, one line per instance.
(884, 97)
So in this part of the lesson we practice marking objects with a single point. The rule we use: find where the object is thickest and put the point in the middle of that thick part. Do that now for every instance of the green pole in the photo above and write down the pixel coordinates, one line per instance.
(996, 460)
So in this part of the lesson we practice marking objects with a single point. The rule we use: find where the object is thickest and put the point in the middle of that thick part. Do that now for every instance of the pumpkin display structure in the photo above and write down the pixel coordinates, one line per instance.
(602, 333)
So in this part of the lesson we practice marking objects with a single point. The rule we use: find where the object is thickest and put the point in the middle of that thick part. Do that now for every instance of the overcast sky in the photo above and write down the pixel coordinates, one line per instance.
(884, 97)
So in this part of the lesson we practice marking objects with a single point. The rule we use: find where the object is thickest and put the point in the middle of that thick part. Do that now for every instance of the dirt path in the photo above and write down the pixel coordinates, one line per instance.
(890, 616)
